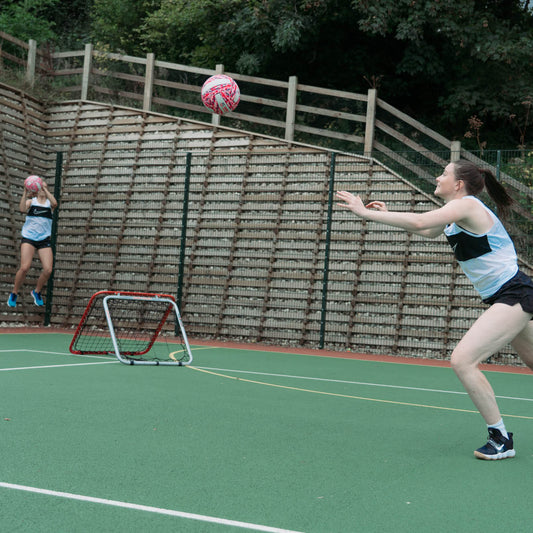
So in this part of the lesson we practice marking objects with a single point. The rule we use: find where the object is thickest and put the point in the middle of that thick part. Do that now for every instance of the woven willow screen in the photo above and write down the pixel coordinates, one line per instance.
(255, 255)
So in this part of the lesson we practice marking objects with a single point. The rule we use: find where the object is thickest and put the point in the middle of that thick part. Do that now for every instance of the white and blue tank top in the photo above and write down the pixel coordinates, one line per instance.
(38, 224)
(488, 260)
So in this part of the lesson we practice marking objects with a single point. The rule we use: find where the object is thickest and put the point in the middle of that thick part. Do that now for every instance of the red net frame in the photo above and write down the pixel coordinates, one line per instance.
(127, 324)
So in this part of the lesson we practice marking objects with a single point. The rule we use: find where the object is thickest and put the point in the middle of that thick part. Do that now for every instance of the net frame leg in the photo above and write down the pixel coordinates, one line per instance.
(114, 338)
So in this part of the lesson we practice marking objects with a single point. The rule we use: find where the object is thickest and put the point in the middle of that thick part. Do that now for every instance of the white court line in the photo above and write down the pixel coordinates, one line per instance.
(146, 508)
(56, 366)
(106, 362)
(58, 353)
(383, 385)
(351, 382)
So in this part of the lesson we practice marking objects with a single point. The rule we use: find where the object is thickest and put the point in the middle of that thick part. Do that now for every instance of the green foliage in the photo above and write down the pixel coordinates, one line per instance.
(116, 24)
(184, 31)
(248, 35)
(440, 61)
(26, 20)
(475, 55)
(71, 20)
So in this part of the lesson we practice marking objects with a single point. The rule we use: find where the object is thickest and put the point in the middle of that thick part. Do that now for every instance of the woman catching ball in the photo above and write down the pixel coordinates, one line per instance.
(38, 204)
(487, 256)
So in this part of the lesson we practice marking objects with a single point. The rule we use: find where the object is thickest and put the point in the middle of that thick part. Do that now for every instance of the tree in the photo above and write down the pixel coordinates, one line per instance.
(72, 22)
(441, 61)
(188, 32)
(27, 20)
(477, 56)
(117, 24)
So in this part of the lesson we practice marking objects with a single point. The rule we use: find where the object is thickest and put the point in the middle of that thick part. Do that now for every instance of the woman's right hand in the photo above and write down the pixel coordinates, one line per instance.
(376, 204)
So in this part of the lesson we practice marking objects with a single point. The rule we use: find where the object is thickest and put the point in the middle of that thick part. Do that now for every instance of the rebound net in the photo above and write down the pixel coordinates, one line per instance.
(133, 326)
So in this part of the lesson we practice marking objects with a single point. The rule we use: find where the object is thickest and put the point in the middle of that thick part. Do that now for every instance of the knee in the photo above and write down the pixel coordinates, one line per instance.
(24, 269)
(459, 362)
(47, 271)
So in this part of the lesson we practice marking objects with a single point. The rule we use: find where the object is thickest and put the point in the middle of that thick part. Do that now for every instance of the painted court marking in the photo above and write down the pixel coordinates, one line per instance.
(107, 360)
(146, 508)
(362, 398)
(56, 366)
(329, 380)
(267, 374)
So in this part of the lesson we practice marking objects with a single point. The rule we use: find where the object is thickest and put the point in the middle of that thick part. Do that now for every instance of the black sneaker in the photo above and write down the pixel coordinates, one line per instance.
(497, 447)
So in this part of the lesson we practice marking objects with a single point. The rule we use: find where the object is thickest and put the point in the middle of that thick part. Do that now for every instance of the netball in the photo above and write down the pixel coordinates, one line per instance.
(220, 94)
(33, 183)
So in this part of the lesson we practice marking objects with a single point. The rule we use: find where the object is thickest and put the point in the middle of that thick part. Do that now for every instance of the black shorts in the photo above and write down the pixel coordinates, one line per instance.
(45, 243)
(518, 290)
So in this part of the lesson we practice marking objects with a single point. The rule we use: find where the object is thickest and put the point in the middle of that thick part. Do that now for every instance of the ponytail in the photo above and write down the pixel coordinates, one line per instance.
(476, 179)
(498, 193)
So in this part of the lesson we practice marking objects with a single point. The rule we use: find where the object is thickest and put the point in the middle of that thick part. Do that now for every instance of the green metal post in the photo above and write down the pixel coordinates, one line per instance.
(183, 238)
(498, 164)
(53, 238)
(326, 253)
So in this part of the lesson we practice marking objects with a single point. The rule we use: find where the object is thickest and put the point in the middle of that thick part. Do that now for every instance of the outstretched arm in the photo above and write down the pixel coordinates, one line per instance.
(429, 224)
(431, 233)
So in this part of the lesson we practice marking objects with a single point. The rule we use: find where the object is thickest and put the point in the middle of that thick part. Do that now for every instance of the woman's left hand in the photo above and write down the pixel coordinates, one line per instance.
(352, 202)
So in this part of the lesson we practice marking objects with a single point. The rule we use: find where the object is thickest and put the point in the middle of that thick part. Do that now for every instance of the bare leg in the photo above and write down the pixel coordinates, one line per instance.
(26, 257)
(47, 260)
(523, 344)
(495, 328)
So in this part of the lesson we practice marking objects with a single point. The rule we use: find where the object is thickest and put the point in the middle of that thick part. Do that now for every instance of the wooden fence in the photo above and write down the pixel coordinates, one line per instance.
(257, 232)
(356, 123)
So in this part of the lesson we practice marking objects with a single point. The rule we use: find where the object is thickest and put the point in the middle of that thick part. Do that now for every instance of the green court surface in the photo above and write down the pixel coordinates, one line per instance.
(248, 440)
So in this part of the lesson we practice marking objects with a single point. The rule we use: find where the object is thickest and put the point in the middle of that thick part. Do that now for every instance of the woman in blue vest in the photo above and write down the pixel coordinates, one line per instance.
(487, 256)
(36, 233)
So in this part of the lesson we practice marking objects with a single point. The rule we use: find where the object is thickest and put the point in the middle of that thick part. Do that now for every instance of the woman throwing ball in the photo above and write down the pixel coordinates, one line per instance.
(38, 204)
(487, 256)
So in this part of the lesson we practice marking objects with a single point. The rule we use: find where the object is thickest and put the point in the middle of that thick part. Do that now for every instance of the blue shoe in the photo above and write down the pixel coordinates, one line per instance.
(12, 300)
(497, 447)
(37, 298)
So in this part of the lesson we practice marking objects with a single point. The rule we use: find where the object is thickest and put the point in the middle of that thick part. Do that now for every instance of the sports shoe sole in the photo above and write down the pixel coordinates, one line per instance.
(503, 455)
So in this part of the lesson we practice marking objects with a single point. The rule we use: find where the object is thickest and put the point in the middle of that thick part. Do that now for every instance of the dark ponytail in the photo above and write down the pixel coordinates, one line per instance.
(476, 179)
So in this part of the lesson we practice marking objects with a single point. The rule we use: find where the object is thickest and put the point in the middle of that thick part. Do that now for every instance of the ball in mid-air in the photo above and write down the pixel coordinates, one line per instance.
(33, 183)
(221, 94)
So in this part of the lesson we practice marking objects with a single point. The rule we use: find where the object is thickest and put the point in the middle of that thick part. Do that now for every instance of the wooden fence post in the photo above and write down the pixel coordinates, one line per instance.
(149, 81)
(455, 151)
(32, 61)
(291, 108)
(215, 119)
(370, 125)
(87, 67)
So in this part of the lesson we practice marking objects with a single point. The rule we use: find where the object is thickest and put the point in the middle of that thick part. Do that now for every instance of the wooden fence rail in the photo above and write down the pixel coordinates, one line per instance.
(258, 226)
(364, 131)
(362, 124)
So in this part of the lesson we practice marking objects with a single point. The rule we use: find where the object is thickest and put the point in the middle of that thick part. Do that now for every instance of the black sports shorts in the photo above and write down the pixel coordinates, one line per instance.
(518, 290)
(45, 243)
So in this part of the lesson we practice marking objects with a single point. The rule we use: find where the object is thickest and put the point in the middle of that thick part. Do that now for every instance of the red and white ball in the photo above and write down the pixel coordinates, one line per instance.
(33, 183)
(221, 94)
